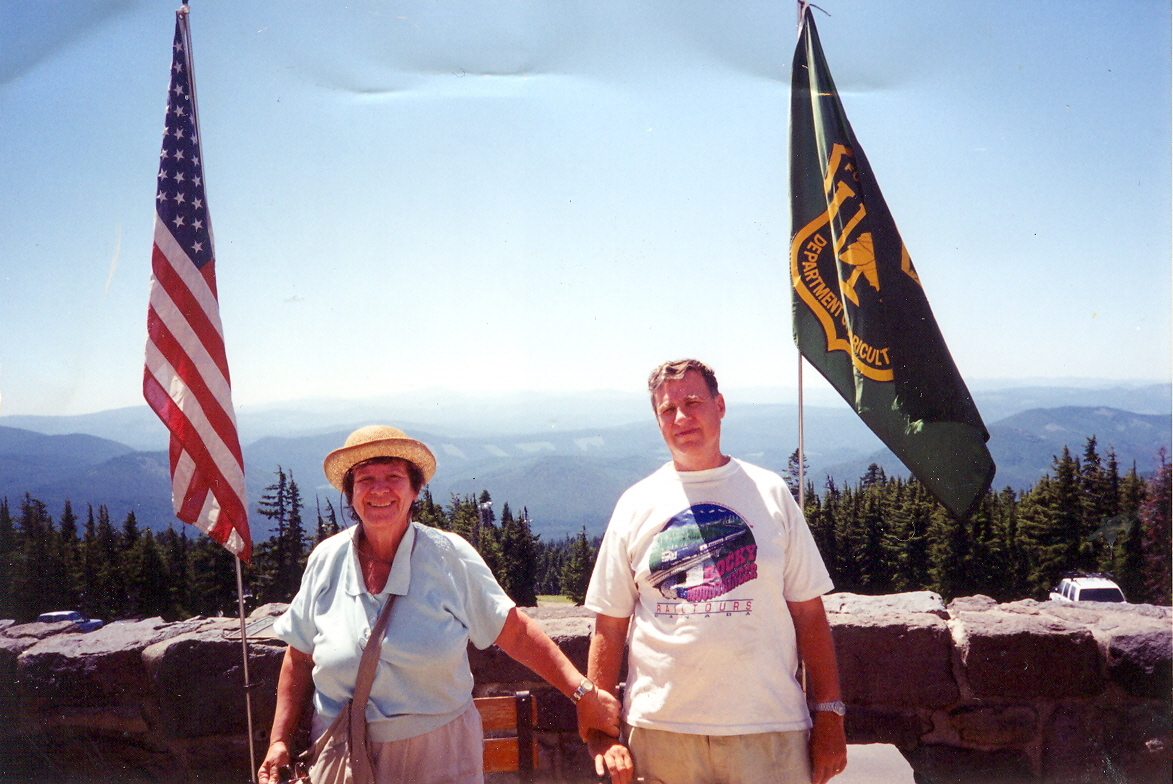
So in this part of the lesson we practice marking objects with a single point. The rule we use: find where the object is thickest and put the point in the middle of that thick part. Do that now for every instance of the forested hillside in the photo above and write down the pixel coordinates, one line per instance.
(880, 535)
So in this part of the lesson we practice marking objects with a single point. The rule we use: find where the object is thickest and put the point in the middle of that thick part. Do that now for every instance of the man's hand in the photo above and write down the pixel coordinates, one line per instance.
(611, 757)
(816, 648)
(598, 710)
(828, 747)
(275, 759)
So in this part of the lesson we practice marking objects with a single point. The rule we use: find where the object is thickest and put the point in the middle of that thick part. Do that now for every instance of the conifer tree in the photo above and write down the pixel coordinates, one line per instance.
(1129, 567)
(487, 537)
(174, 550)
(327, 524)
(907, 541)
(88, 601)
(824, 526)
(576, 573)
(1100, 506)
(147, 579)
(792, 473)
(463, 517)
(213, 578)
(986, 567)
(294, 543)
(1154, 515)
(70, 555)
(108, 593)
(551, 560)
(8, 559)
(130, 532)
(874, 571)
(949, 554)
(39, 565)
(1014, 562)
(1052, 522)
(428, 512)
(851, 537)
(519, 558)
(1132, 490)
(278, 562)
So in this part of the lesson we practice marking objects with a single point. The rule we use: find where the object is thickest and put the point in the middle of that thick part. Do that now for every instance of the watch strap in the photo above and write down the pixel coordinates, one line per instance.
(837, 707)
(584, 687)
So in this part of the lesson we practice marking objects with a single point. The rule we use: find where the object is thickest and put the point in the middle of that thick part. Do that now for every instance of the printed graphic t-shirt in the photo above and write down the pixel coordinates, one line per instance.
(704, 562)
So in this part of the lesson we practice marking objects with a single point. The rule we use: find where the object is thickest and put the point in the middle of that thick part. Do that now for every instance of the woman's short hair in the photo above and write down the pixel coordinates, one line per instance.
(415, 474)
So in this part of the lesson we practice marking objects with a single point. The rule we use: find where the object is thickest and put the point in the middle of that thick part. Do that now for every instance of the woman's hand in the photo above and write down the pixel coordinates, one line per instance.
(611, 757)
(276, 759)
(598, 710)
(293, 690)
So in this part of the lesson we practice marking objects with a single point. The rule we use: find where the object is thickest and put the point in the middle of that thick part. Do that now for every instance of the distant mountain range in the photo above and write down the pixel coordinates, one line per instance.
(566, 458)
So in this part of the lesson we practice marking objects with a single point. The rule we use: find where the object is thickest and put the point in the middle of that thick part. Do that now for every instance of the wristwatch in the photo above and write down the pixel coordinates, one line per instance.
(836, 707)
(583, 689)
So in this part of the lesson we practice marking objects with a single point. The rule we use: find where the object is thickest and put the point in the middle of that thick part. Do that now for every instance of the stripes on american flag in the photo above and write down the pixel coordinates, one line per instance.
(186, 379)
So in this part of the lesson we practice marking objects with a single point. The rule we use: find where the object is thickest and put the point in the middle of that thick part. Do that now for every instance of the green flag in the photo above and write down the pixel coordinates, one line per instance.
(860, 314)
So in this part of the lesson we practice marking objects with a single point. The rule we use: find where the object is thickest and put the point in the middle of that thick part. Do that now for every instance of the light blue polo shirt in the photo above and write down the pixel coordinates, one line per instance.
(447, 597)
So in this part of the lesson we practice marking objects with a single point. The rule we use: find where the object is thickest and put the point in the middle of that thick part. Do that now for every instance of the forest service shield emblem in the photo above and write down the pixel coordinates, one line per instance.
(834, 271)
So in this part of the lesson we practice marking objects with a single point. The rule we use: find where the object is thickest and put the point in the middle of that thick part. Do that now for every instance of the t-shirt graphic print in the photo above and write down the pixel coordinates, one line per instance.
(704, 552)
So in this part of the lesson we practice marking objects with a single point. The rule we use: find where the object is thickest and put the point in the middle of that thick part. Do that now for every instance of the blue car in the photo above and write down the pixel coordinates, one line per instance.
(83, 624)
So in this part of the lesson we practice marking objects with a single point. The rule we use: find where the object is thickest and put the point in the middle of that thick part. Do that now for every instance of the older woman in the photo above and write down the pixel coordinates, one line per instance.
(422, 725)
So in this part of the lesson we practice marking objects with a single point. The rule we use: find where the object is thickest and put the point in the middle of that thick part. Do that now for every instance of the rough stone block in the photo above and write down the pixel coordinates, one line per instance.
(217, 759)
(901, 729)
(569, 627)
(886, 604)
(101, 667)
(10, 650)
(199, 682)
(1140, 661)
(1073, 745)
(894, 659)
(39, 631)
(951, 765)
(1139, 742)
(1021, 656)
(995, 725)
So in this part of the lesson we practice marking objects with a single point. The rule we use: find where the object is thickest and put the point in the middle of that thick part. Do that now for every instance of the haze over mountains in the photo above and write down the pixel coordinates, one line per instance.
(566, 457)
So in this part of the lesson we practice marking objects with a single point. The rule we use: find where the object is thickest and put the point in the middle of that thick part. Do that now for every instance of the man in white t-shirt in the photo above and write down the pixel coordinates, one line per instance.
(709, 573)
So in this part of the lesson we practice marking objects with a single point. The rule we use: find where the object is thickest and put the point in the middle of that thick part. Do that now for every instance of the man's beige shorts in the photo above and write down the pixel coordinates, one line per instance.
(676, 758)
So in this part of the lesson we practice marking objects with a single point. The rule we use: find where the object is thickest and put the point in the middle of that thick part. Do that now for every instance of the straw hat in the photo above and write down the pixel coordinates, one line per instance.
(377, 441)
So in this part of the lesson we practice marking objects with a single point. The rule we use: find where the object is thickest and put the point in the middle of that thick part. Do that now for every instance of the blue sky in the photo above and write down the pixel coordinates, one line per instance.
(489, 196)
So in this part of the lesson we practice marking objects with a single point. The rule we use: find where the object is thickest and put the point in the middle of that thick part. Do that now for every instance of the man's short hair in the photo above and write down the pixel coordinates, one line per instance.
(672, 371)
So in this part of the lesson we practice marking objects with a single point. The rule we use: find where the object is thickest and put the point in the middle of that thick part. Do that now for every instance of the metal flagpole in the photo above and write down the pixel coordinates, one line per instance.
(801, 445)
(802, 4)
(248, 685)
(167, 360)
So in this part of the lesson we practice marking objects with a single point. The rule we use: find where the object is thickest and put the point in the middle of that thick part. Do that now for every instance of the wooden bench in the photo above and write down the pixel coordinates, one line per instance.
(508, 724)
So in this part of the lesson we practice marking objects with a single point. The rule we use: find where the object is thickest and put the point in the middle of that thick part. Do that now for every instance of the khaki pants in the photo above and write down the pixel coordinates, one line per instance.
(452, 754)
(676, 758)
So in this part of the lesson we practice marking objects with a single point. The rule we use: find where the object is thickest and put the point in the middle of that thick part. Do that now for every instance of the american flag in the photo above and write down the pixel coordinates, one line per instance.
(186, 378)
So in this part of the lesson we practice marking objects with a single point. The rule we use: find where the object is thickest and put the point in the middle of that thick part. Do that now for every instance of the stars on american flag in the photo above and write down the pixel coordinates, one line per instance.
(180, 200)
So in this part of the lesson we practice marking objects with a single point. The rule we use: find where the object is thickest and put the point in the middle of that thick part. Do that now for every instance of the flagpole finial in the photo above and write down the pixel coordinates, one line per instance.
(803, 5)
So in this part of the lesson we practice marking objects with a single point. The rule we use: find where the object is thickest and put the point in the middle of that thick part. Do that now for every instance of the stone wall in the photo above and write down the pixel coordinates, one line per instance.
(976, 692)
